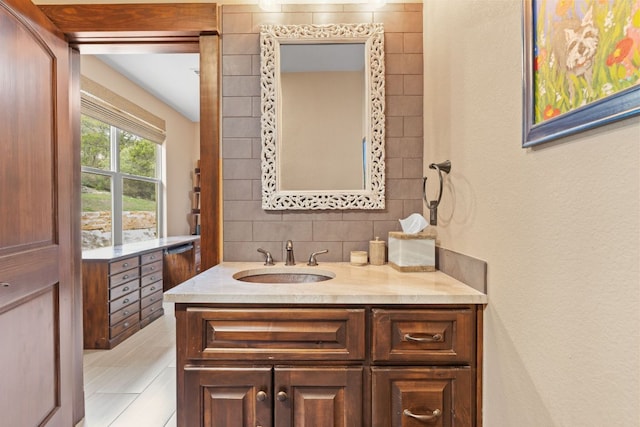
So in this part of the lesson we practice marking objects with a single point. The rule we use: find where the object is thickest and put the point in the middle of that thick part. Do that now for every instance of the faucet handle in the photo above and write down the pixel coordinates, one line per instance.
(268, 258)
(312, 258)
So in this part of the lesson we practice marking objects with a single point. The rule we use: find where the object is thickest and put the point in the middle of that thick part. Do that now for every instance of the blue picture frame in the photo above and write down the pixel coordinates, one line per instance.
(607, 109)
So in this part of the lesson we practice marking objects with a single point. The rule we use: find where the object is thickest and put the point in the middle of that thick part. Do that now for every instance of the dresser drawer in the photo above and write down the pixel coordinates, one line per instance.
(150, 289)
(123, 289)
(123, 276)
(130, 322)
(150, 299)
(152, 268)
(150, 257)
(276, 334)
(122, 265)
(123, 313)
(440, 336)
(125, 301)
(151, 310)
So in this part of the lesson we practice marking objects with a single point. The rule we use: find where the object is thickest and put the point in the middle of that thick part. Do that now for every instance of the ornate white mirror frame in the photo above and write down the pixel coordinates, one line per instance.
(372, 196)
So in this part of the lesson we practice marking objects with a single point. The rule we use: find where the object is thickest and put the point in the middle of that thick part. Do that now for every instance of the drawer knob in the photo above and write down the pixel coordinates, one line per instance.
(126, 276)
(261, 396)
(5, 284)
(431, 338)
(282, 396)
(432, 417)
(126, 324)
(125, 289)
(153, 288)
(126, 264)
(125, 301)
(125, 313)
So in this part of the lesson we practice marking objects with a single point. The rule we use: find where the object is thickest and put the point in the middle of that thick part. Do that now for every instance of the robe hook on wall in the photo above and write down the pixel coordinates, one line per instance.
(433, 204)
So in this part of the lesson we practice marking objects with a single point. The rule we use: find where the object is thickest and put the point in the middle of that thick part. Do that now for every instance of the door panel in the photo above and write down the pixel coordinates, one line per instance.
(36, 262)
(318, 397)
(228, 397)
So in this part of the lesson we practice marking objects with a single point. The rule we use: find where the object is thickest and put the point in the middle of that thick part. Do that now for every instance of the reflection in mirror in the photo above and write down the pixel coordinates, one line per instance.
(322, 116)
(323, 143)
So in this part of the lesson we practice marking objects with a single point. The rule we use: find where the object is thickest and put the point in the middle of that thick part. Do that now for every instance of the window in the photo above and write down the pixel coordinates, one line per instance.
(121, 187)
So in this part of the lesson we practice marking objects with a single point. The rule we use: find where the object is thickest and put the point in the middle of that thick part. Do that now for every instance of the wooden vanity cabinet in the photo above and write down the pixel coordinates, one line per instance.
(324, 367)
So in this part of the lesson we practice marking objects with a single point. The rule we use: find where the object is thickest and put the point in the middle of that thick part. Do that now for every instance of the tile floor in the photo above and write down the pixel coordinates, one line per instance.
(134, 384)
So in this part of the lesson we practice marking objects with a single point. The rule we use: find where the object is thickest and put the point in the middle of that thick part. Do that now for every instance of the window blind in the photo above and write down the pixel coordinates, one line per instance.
(107, 106)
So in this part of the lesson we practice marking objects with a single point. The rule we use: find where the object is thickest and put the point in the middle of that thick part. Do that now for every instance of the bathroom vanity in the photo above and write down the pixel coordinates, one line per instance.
(369, 347)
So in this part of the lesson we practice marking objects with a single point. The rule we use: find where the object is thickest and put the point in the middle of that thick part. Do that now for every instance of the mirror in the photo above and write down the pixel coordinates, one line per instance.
(323, 124)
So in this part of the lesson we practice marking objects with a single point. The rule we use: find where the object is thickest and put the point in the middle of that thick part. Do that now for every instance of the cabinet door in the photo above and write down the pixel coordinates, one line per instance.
(318, 397)
(228, 397)
(419, 397)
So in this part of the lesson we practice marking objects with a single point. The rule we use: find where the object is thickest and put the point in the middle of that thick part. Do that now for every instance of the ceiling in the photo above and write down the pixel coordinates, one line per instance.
(172, 78)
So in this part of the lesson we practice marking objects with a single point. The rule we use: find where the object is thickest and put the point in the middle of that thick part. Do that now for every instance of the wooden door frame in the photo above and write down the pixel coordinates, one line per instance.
(163, 28)
(151, 28)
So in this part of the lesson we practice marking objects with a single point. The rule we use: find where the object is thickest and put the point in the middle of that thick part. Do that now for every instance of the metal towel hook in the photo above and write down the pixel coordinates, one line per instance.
(433, 204)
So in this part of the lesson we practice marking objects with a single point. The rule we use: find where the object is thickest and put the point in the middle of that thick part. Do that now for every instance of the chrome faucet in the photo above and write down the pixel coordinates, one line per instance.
(268, 258)
(290, 258)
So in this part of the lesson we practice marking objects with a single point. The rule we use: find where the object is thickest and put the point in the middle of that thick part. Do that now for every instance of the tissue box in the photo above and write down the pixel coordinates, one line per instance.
(412, 252)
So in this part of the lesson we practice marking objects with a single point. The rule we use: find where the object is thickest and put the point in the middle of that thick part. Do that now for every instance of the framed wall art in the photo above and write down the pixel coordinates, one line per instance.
(581, 65)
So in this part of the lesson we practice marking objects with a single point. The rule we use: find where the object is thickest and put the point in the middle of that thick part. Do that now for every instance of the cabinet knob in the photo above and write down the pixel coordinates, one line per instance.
(428, 338)
(126, 264)
(5, 284)
(261, 396)
(282, 396)
(125, 289)
(125, 301)
(423, 417)
(125, 277)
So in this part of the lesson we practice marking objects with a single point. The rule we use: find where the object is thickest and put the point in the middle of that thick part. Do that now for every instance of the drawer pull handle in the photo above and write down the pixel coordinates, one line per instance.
(432, 338)
(126, 264)
(125, 313)
(152, 299)
(152, 268)
(434, 415)
(126, 300)
(261, 396)
(282, 396)
(125, 277)
(125, 289)
(5, 284)
(153, 288)
(126, 324)
(152, 278)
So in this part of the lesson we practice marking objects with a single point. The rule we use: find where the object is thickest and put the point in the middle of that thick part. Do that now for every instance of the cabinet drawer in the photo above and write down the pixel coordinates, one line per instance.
(122, 265)
(276, 334)
(124, 289)
(123, 313)
(150, 299)
(150, 257)
(123, 276)
(151, 310)
(151, 278)
(154, 267)
(150, 289)
(418, 397)
(129, 322)
(445, 336)
(125, 301)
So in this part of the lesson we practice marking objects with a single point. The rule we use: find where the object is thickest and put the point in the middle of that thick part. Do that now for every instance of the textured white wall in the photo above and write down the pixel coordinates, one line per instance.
(558, 226)
(180, 151)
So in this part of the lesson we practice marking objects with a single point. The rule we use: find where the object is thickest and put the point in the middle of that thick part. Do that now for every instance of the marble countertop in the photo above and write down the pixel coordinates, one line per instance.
(119, 251)
(351, 285)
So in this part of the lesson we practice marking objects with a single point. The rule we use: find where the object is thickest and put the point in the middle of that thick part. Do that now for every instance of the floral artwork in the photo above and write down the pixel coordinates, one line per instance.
(580, 54)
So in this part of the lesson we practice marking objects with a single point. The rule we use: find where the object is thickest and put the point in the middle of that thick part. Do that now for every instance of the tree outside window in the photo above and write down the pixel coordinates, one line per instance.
(120, 186)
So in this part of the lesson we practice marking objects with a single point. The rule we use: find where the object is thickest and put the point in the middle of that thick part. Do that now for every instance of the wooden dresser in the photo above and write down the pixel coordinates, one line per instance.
(123, 285)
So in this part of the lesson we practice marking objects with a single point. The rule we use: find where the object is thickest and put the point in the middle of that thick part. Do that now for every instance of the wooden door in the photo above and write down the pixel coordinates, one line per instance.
(37, 242)
(318, 397)
(227, 397)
